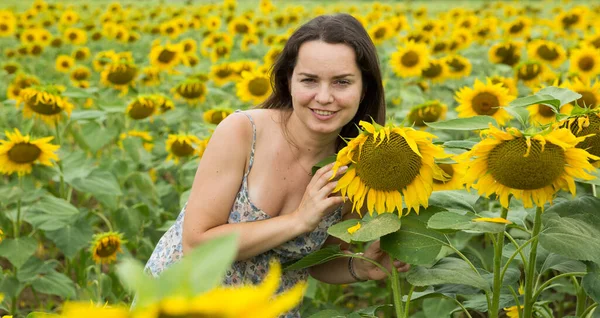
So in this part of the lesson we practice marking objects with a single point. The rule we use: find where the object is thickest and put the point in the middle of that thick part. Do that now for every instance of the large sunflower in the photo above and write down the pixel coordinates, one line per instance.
(508, 53)
(105, 246)
(546, 51)
(410, 59)
(385, 164)
(585, 61)
(254, 87)
(44, 102)
(183, 146)
(427, 112)
(532, 168)
(18, 153)
(484, 99)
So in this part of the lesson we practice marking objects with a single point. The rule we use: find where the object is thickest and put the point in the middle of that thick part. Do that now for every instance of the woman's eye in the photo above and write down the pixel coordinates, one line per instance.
(343, 82)
(307, 80)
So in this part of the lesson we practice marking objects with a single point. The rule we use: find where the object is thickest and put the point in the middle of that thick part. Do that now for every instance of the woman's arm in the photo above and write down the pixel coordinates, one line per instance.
(217, 183)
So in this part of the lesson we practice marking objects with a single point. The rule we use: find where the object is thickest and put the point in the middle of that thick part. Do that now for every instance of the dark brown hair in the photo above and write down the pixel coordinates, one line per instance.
(333, 29)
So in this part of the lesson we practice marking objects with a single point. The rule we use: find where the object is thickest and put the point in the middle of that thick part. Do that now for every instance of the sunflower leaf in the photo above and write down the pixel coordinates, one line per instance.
(323, 163)
(321, 256)
(448, 270)
(18, 250)
(454, 221)
(591, 282)
(471, 123)
(370, 230)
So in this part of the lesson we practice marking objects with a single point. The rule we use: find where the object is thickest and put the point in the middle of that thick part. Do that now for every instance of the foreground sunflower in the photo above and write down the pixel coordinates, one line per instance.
(216, 115)
(254, 87)
(532, 168)
(18, 153)
(105, 246)
(182, 146)
(410, 59)
(484, 99)
(385, 164)
(44, 102)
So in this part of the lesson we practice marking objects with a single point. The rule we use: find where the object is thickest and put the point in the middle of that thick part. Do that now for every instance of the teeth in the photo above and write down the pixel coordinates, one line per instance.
(322, 112)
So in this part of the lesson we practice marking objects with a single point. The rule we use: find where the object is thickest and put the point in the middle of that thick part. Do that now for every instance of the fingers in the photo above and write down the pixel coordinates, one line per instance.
(325, 178)
(401, 266)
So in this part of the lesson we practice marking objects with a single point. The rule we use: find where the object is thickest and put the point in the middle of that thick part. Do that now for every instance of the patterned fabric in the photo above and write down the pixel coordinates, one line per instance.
(253, 270)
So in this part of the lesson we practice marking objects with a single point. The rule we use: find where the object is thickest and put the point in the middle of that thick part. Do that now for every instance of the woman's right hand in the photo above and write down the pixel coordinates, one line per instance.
(318, 201)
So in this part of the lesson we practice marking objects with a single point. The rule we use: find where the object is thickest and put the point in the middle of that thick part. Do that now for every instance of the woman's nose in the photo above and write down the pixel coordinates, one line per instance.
(324, 95)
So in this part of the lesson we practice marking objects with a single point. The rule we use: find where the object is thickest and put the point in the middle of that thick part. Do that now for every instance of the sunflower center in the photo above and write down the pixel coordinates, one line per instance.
(380, 33)
(191, 91)
(456, 65)
(588, 99)
(166, 56)
(107, 248)
(122, 75)
(529, 72)
(217, 117)
(43, 108)
(241, 28)
(516, 28)
(24, 152)
(485, 103)
(80, 55)
(139, 111)
(545, 111)
(224, 72)
(36, 50)
(439, 47)
(182, 149)
(3, 27)
(80, 75)
(448, 169)
(391, 166)
(65, 64)
(427, 114)
(434, 70)
(72, 36)
(509, 166)
(547, 53)
(258, 86)
(508, 55)
(410, 59)
(596, 42)
(10, 69)
(569, 20)
(586, 63)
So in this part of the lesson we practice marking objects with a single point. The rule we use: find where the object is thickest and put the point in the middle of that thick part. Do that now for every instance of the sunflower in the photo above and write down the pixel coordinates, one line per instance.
(163, 103)
(410, 59)
(518, 28)
(170, 29)
(141, 107)
(216, 115)
(585, 61)
(222, 74)
(35, 49)
(484, 99)
(248, 41)
(21, 82)
(241, 66)
(427, 112)
(437, 71)
(102, 58)
(166, 57)
(572, 19)
(241, 26)
(119, 75)
(11, 67)
(80, 73)
(590, 93)
(69, 17)
(458, 66)
(220, 51)
(7, 27)
(105, 246)
(150, 76)
(513, 311)
(273, 54)
(386, 163)
(81, 54)
(546, 51)
(254, 87)
(182, 146)
(508, 53)
(586, 126)
(75, 36)
(243, 301)
(188, 46)
(145, 137)
(192, 89)
(18, 153)
(64, 63)
(213, 23)
(451, 178)
(28, 36)
(44, 102)
(530, 73)
(506, 82)
(531, 168)
(381, 32)
(541, 115)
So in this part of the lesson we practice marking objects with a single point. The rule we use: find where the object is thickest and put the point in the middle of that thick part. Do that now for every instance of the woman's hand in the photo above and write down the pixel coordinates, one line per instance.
(367, 270)
(318, 201)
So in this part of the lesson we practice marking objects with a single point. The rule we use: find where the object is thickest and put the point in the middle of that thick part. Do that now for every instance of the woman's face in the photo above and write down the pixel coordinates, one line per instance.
(326, 86)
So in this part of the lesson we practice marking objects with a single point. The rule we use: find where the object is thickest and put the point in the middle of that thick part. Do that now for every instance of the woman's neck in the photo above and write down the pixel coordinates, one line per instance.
(309, 145)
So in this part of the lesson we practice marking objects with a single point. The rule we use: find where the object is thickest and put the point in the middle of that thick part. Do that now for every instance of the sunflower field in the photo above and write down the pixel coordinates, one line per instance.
(484, 178)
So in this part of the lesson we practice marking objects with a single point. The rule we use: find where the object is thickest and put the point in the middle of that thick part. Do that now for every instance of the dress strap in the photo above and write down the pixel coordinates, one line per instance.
(251, 161)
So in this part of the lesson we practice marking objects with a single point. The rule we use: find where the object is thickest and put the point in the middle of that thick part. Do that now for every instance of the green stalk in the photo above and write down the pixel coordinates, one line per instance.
(60, 167)
(17, 224)
(410, 292)
(397, 294)
(530, 277)
(581, 298)
(499, 244)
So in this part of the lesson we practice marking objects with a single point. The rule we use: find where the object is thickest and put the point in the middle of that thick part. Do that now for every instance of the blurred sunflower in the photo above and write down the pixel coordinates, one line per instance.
(105, 246)
(586, 125)
(216, 115)
(506, 82)
(64, 63)
(213, 23)
(192, 90)
(163, 103)
(508, 53)
(381, 32)
(188, 45)
(184, 145)
(386, 163)
(590, 93)
(81, 54)
(145, 137)
(91, 310)
(75, 36)
(531, 73)
(20, 82)
(241, 66)
(35, 49)
(69, 17)
(28, 36)
(427, 112)
(221, 50)
(170, 29)
(141, 107)
(18, 153)
(11, 67)
(102, 58)
(166, 57)
(248, 41)
(79, 74)
(44, 102)
(119, 75)
(532, 168)
(585, 61)
(7, 26)
(546, 51)
(241, 26)
(436, 72)
(150, 76)
(410, 59)
(571, 19)
(254, 87)
(451, 178)
(484, 99)
(458, 66)
(518, 28)
(273, 54)
(222, 74)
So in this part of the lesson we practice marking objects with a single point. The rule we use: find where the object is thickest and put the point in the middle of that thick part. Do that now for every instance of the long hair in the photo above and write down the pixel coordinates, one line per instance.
(333, 29)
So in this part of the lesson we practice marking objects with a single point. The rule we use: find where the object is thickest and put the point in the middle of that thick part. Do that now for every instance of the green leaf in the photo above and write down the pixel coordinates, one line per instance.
(454, 200)
(200, 270)
(72, 237)
(562, 264)
(462, 144)
(76, 165)
(564, 95)
(144, 184)
(323, 163)
(329, 313)
(414, 243)
(479, 302)
(77, 115)
(18, 250)
(34, 267)
(471, 123)
(96, 136)
(448, 270)
(453, 221)
(551, 96)
(99, 182)
(318, 257)
(51, 213)
(519, 113)
(370, 230)
(54, 283)
(132, 276)
(438, 307)
(591, 282)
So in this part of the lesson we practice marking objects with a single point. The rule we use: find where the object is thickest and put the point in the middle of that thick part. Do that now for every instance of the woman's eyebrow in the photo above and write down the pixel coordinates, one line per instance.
(335, 77)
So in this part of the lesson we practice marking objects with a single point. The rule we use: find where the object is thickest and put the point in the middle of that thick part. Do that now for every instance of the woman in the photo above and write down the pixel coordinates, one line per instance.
(254, 177)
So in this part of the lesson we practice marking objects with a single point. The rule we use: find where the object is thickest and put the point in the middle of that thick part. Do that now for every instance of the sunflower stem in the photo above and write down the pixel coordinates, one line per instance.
(581, 299)
(17, 224)
(516, 298)
(594, 190)
(498, 245)
(60, 167)
(530, 277)
(397, 294)
(99, 284)
(410, 292)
